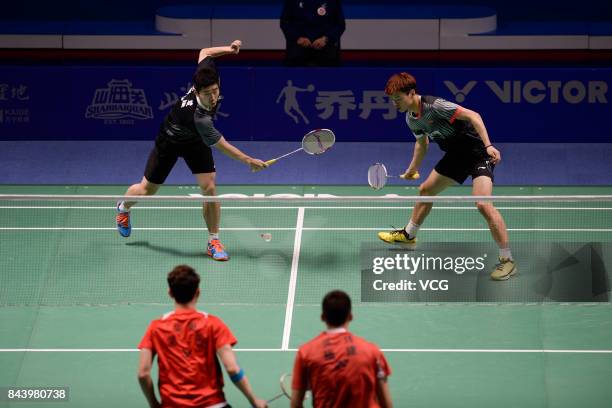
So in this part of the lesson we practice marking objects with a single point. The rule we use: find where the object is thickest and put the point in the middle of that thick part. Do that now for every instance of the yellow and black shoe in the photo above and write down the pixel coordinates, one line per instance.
(398, 237)
(504, 269)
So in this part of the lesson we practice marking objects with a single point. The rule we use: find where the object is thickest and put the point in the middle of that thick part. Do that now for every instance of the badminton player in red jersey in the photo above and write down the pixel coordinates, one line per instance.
(341, 369)
(189, 344)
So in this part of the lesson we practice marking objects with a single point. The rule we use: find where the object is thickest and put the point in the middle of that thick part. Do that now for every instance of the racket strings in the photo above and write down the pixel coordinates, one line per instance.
(377, 176)
(319, 142)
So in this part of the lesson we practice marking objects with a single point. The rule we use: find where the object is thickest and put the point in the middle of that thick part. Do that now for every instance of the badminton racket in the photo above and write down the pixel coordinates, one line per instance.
(315, 142)
(378, 175)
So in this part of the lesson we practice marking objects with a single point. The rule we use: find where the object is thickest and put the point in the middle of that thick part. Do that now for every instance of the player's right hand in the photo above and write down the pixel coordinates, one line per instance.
(494, 154)
(235, 46)
(410, 174)
(256, 164)
(259, 403)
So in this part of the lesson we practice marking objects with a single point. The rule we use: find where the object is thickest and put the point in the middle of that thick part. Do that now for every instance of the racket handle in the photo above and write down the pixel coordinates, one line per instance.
(412, 176)
(268, 163)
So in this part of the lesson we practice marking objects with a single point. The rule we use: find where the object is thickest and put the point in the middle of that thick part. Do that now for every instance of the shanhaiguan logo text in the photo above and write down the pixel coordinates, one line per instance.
(119, 101)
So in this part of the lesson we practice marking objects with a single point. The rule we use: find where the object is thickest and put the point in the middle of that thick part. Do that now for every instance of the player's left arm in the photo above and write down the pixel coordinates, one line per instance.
(297, 398)
(383, 394)
(476, 120)
(232, 151)
(233, 48)
(298, 381)
(228, 359)
(144, 377)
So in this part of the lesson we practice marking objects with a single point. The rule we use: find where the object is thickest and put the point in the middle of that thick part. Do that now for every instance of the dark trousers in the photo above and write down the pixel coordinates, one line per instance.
(297, 56)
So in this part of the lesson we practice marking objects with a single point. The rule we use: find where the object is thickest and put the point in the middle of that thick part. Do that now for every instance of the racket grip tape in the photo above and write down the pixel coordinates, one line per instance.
(270, 162)
(412, 176)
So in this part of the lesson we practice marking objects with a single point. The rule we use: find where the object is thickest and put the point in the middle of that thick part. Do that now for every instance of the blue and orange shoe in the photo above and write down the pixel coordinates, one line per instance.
(216, 251)
(123, 222)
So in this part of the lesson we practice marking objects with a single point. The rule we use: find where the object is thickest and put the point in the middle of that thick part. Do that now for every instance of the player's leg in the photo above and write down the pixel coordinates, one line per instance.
(157, 169)
(144, 188)
(435, 184)
(210, 210)
(200, 161)
(483, 186)
(212, 216)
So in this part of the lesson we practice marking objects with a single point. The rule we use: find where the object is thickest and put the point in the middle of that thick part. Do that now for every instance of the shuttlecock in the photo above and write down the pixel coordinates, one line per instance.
(266, 236)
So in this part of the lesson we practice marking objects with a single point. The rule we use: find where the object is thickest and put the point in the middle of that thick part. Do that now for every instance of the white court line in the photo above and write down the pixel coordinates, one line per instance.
(256, 350)
(466, 229)
(297, 243)
(10, 207)
(291, 229)
(144, 228)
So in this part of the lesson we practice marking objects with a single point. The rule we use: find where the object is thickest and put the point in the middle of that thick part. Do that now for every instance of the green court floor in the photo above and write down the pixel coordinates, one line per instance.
(75, 297)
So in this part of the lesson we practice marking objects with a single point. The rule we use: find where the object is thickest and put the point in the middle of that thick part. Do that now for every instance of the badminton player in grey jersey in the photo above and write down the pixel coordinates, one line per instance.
(462, 135)
(188, 132)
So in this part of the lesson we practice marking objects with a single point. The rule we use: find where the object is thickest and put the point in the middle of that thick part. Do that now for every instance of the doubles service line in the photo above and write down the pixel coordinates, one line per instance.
(297, 243)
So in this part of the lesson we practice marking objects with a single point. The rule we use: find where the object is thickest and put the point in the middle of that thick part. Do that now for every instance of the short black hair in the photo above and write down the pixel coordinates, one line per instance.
(183, 282)
(336, 308)
(205, 77)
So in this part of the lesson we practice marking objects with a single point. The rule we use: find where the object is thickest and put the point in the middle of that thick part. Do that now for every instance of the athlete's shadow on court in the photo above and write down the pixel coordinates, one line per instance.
(314, 261)
(165, 249)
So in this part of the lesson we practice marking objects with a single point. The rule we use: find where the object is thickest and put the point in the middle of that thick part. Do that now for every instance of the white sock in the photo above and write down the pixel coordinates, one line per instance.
(412, 229)
(122, 207)
(505, 253)
(212, 236)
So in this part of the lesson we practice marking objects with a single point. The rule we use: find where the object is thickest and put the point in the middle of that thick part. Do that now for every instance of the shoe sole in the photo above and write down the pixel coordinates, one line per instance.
(217, 259)
(124, 235)
(506, 277)
(405, 245)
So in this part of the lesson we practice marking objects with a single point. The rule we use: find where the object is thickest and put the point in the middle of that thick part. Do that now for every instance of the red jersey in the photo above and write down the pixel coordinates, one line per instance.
(186, 343)
(341, 369)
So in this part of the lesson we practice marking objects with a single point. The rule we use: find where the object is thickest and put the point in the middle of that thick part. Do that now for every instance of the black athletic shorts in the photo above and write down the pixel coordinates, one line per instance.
(459, 166)
(164, 155)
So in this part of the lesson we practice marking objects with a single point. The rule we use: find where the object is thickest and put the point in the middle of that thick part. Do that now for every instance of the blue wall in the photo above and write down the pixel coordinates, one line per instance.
(128, 103)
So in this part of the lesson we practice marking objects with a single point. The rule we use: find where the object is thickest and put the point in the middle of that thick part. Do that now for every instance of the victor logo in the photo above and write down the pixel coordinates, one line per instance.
(534, 91)
(460, 94)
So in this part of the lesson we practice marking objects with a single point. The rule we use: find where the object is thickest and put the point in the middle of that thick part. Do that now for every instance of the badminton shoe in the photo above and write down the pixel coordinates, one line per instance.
(504, 269)
(398, 237)
(216, 250)
(123, 222)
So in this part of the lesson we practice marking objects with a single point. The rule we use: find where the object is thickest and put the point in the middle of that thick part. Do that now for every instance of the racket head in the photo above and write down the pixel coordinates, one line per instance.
(285, 384)
(377, 176)
(318, 141)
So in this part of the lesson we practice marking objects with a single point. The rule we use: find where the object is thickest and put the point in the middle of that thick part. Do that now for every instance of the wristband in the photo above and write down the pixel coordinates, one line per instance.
(238, 376)
(487, 146)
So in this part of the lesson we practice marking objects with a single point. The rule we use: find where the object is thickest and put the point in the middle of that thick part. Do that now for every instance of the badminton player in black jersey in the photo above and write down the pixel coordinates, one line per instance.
(188, 132)
(462, 135)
